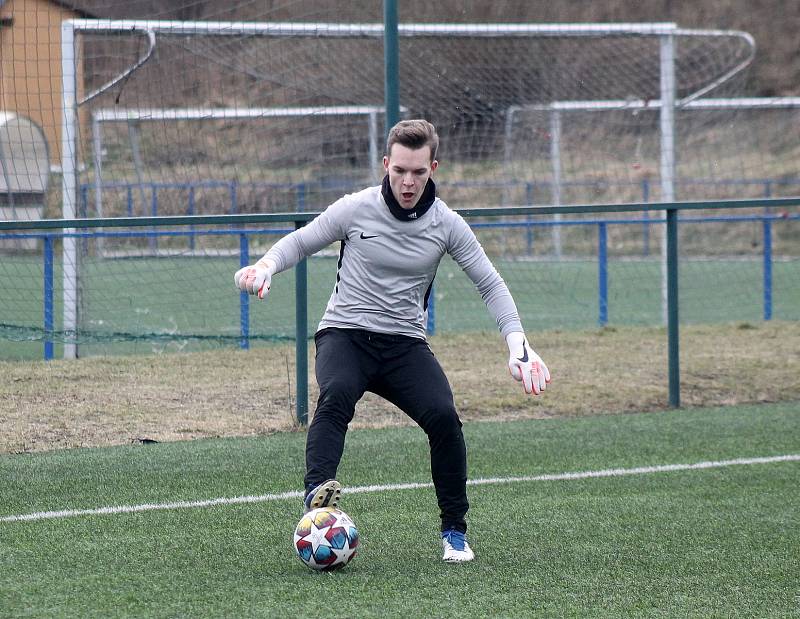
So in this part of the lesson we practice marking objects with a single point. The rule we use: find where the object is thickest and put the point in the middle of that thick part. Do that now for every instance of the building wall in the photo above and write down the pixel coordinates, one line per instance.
(30, 65)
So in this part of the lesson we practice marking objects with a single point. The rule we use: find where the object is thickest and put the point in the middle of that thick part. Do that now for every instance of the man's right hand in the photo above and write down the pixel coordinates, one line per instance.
(255, 279)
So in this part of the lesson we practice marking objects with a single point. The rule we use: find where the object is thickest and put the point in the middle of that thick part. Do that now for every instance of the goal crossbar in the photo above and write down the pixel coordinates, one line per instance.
(306, 29)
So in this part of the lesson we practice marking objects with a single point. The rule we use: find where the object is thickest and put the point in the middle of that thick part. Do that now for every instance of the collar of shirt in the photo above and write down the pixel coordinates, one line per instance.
(425, 201)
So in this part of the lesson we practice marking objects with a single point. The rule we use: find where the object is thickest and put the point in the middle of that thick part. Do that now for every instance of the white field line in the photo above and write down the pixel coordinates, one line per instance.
(262, 498)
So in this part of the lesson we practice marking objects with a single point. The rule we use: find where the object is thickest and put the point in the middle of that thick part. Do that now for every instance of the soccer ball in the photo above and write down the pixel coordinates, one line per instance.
(325, 539)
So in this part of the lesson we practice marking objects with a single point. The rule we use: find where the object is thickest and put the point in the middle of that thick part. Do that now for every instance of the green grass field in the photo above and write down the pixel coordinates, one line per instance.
(720, 541)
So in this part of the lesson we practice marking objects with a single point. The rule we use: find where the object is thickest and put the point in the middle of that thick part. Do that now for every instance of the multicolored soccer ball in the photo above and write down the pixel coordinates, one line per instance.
(326, 539)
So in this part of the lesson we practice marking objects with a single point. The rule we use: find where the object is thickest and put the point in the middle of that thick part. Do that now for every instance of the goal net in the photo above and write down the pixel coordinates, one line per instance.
(291, 113)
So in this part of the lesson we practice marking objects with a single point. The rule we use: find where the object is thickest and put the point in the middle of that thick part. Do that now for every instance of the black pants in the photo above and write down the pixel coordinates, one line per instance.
(403, 370)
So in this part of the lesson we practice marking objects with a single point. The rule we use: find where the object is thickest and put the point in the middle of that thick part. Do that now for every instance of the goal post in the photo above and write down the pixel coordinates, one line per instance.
(69, 179)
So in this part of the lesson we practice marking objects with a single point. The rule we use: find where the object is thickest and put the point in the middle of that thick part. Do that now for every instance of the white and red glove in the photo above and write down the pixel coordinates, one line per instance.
(255, 279)
(525, 365)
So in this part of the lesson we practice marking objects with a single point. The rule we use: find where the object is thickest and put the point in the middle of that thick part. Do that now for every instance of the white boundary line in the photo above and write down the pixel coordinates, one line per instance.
(644, 470)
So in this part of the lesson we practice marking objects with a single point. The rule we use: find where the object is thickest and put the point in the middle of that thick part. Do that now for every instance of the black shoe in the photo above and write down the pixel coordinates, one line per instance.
(327, 494)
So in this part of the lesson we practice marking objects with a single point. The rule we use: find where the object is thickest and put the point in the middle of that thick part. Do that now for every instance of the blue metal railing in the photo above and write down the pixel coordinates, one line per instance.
(766, 221)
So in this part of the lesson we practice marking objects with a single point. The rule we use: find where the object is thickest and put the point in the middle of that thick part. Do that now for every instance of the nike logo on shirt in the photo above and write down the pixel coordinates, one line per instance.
(371, 236)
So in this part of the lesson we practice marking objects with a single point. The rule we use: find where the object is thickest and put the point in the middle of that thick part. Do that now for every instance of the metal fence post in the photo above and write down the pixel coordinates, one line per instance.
(646, 218)
(301, 334)
(48, 297)
(672, 309)
(767, 223)
(431, 326)
(244, 299)
(529, 227)
(234, 198)
(154, 213)
(602, 274)
(190, 211)
(129, 200)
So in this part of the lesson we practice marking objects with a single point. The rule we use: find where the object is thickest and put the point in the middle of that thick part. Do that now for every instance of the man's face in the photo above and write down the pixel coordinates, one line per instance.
(409, 171)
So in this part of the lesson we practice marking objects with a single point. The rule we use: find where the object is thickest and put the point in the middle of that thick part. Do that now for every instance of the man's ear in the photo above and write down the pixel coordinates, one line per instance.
(434, 165)
(385, 163)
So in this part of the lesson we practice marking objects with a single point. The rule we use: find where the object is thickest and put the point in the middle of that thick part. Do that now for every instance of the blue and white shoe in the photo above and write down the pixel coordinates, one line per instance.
(327, 494)
(456, 548)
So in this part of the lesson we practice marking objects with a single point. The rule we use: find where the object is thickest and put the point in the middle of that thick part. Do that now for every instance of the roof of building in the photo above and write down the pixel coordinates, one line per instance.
(116, 9)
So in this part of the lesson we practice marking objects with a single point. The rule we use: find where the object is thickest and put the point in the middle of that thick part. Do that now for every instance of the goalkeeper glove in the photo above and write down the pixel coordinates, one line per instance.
(525, 365)
(255, 279)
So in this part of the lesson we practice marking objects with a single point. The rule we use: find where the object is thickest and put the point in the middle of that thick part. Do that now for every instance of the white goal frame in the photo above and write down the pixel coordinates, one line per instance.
(665, 32)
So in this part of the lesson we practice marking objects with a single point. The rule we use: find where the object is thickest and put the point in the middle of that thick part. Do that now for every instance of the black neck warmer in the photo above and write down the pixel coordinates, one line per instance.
(425, 201)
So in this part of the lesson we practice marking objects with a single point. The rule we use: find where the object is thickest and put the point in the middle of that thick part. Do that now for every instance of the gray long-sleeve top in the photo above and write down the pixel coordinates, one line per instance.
(387, 264)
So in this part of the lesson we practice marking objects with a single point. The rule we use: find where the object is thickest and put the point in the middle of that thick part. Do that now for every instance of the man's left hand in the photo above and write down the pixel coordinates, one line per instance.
(525, 365)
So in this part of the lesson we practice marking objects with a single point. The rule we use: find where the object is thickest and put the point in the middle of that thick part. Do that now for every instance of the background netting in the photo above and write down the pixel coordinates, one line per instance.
(212, 120)
(477, 89)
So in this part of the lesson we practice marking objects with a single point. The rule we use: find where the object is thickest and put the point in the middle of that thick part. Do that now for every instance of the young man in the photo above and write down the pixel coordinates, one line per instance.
(372, 335)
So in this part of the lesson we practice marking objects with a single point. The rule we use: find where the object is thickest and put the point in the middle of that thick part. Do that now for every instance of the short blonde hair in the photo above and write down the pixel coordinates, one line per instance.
(413, 134)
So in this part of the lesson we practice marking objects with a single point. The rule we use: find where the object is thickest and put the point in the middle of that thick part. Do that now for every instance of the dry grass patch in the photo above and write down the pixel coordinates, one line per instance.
(114, 400)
